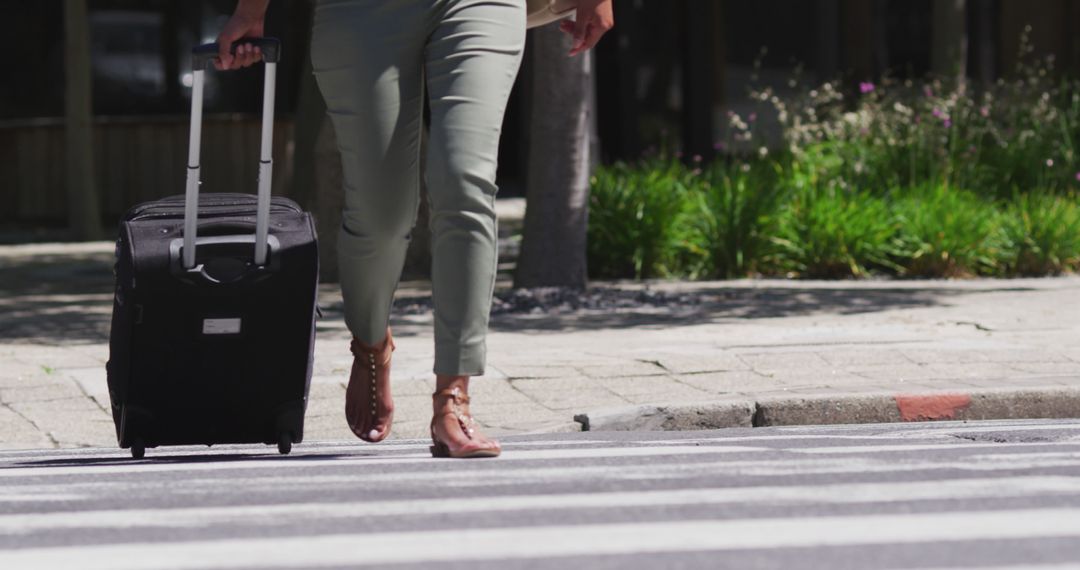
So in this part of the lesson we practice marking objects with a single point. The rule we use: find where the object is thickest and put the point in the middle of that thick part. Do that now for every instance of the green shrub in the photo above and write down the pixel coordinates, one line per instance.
(733, 212)
(1015, 135)
(946, 232)
(927, 178)
(825, 232)
(1041, 234)
(635, 218)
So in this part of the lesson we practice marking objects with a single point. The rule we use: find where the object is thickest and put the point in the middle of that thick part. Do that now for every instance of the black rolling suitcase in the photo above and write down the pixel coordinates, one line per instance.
(214, 314)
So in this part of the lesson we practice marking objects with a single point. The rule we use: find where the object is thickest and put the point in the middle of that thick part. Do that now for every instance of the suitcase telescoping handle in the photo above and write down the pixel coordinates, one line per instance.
(201, 58)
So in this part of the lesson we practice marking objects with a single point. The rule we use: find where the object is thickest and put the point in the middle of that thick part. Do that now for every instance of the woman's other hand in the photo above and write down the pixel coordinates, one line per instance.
(594, 19)
(246, 22)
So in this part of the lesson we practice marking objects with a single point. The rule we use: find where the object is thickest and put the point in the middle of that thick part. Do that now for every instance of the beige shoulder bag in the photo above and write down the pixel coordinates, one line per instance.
(541, 12)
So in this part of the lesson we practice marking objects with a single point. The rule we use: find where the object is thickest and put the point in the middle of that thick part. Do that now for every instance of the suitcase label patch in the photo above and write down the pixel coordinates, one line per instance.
(221, 326)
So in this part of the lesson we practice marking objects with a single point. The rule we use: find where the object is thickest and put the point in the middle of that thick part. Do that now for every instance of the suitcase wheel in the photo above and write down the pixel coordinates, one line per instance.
(284, 444)
(138, 449)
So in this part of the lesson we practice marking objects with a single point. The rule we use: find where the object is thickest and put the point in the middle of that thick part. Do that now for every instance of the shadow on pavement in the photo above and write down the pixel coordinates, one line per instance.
(56, 299)
(68, 300)
(177, 459)
(717, 303)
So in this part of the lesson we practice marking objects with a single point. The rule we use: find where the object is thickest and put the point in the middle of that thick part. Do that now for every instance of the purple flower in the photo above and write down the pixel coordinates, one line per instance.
(948, 123)
(928, 91)
(720, 146)
(752, 117)
(866, 87)
(1078, 176)
(984, 111)
(697, 158)
(937, 112)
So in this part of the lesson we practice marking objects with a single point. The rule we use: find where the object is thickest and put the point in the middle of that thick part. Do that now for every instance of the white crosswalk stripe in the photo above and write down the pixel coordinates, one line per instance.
(767, 497)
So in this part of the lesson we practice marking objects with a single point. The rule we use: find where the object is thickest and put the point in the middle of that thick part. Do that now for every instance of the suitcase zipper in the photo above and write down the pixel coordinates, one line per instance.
(144, 211)
(204, 213)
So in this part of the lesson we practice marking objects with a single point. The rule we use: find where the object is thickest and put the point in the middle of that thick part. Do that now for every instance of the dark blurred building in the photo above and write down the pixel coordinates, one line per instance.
(666, 76)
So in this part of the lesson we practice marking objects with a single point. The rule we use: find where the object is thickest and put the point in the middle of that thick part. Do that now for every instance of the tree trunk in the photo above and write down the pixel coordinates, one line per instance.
(557, 195)
(948, 53)
(84, 213)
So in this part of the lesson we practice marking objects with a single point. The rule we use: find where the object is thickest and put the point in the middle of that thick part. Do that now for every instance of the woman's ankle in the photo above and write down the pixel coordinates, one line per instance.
(380, 346)
(449, 382)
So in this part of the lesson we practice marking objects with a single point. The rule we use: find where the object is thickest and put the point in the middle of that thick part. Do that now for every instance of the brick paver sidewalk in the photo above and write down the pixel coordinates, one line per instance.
(739, 341)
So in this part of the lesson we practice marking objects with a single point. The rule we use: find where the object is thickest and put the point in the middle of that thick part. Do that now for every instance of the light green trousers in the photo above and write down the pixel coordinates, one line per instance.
(372, 60)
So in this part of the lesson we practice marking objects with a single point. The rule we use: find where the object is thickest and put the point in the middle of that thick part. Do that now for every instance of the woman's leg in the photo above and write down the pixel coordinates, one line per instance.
(472, 60)
(367, 56)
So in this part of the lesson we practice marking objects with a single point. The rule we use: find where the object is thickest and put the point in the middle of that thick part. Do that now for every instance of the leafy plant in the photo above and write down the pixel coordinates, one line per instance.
(825, 232)
(1041, 232)
(946, 232)
(734, 210)
(634, 218)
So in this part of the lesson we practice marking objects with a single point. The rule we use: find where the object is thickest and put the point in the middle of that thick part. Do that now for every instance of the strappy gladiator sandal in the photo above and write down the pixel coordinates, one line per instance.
(369, 363)
(458, 407)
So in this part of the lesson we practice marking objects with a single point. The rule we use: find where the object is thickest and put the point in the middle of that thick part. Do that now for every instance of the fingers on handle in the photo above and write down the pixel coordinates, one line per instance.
(225, 58)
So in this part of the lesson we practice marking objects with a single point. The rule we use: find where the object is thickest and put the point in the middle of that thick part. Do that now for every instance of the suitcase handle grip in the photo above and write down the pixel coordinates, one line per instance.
(200, 271)
(201, 56)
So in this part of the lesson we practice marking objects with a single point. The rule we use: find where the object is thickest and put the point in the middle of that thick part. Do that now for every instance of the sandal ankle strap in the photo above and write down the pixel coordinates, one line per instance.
(360, 350)
(456, 394)
(458, 398)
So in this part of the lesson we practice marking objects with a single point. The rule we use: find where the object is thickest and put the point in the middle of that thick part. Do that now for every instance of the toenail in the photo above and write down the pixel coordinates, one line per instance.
(373, 434)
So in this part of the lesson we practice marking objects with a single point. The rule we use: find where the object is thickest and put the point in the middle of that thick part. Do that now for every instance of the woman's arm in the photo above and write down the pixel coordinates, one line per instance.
(246, 21)
(594, 19)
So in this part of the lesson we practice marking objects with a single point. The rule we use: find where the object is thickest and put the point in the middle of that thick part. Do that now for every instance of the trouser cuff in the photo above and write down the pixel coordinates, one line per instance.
(461, 360)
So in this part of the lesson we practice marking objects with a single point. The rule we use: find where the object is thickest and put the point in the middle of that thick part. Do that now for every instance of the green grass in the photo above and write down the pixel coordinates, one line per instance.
(730, 220)
(825, 232)
(946, 232)
(733, 211)
(1041, 235)
(635, 216)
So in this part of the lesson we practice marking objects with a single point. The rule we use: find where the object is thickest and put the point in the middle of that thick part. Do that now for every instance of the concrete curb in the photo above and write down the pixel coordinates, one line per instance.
(670, 417)
(991, 404)
(558, 427)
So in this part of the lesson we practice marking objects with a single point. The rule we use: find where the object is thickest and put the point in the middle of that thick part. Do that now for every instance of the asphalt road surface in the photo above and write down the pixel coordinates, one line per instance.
(941, 495)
